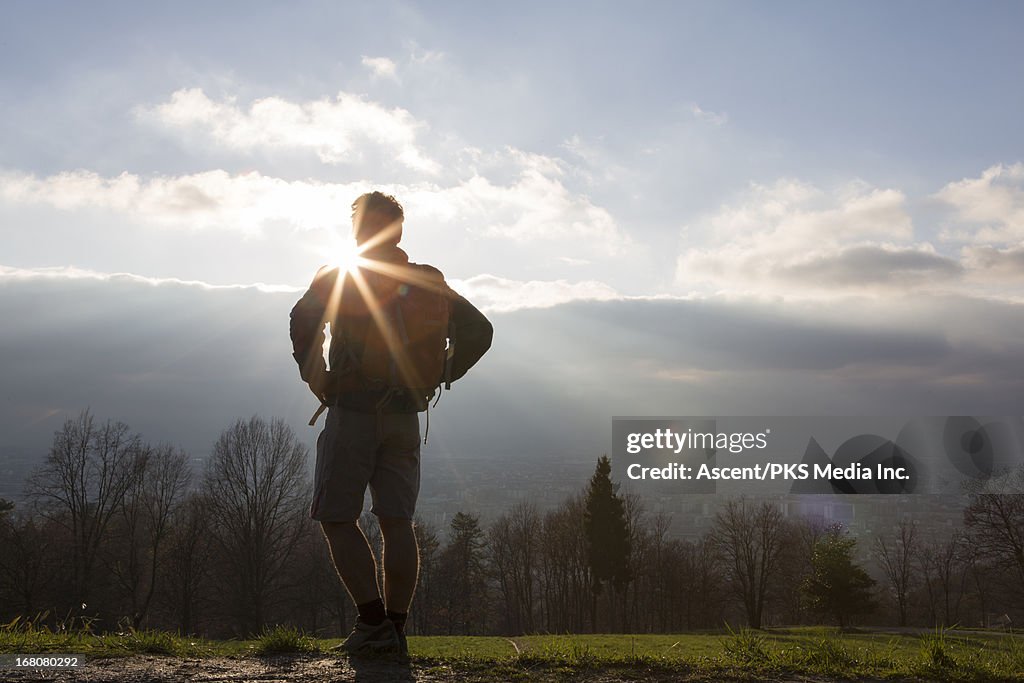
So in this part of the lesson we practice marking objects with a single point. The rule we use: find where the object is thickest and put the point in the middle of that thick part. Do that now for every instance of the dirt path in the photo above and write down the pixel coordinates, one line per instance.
(322, 669)
(265, 670)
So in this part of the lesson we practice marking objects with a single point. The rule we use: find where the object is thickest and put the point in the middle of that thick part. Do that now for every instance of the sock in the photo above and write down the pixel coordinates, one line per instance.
(372, 612)
(399, 619)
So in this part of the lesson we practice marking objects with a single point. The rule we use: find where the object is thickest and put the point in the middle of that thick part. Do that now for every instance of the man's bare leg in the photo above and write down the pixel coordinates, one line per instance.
(401, 563)
(353, 559)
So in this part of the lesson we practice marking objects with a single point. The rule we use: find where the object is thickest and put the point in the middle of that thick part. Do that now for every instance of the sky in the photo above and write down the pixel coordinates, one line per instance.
(665, 208)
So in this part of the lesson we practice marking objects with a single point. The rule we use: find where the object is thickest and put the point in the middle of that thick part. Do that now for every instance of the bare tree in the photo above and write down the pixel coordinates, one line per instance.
(994, 520)
(795, 563)
(162, 478)
(564, 570)
(186, 562)
(638, 546)
(896, 557)
(514, 545)
(27, 566)
(427, 604)
(749, 537)
(944, 573)
(81, 485)
(705, 588)
(255, 486)
(655, 571)
(318, 600)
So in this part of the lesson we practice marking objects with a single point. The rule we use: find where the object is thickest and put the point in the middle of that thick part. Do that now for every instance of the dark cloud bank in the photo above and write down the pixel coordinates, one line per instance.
(181, 362)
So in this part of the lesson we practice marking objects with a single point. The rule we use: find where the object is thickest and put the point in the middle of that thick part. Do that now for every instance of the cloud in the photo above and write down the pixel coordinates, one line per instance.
(336, 130)
(180, 362)
(712, 117)
(381, 67)
(488, 292)
(495, 294)
(537, 206)
(988, 263)
(791, 213)
(877, 264)
(245, 203)
(66, 273)
(992, 205)
(534, 207)
(792, 238)
(421, 56)
(505, 194)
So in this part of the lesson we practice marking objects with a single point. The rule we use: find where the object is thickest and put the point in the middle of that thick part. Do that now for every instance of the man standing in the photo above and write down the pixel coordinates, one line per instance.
(397, 333)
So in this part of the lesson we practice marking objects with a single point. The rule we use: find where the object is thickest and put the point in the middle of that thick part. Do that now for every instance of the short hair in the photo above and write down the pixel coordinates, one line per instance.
(378, 202)
(385, 211)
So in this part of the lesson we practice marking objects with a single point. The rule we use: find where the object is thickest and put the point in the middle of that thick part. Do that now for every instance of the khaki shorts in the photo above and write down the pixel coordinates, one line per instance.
(356, 450)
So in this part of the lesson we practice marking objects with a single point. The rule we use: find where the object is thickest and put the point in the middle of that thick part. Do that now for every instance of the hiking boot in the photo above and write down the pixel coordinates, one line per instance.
(403, 643)
(371, 639)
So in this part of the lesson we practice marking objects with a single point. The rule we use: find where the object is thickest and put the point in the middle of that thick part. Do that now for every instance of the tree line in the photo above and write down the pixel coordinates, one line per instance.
(118, 533)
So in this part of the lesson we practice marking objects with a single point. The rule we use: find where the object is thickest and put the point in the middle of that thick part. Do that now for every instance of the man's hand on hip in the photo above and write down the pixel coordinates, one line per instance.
(324, 386)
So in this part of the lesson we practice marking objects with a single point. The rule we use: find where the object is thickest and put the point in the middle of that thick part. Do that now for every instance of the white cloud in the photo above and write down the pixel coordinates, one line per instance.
(792, 214)
(793, 238)
(992, 264)
(381, 67)
(496, 294)
(487, 292)
(72, 273)
(488, 195)
(245, 203)
(712, 117)
(335, 130)
(992, 204)
(422, 56)
(536, 206)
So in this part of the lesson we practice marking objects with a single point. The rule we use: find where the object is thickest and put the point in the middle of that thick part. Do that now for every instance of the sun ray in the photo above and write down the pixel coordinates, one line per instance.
(389, 234)
(402, 273)
(405, 367)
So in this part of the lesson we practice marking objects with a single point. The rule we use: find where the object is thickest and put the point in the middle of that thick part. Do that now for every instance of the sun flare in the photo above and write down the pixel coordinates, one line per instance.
(342, 253)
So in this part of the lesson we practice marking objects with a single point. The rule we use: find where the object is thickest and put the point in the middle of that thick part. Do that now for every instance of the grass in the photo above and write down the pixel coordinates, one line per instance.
(285, 640)
(811, 651)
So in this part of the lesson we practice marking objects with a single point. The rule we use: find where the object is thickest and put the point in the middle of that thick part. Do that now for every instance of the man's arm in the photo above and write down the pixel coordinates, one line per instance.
(308, 318)
(473, 334)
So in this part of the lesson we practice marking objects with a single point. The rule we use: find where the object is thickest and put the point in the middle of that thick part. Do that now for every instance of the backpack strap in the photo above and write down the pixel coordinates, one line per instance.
(317, 414)
(449, 354)
(403, 335)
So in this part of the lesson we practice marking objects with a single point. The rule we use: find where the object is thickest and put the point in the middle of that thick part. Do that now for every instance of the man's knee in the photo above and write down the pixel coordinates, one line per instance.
(337, 525)
(332, 529)
(391, 525)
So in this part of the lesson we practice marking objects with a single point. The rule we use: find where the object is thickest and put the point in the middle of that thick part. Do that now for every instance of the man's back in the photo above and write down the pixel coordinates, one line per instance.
(386, 312)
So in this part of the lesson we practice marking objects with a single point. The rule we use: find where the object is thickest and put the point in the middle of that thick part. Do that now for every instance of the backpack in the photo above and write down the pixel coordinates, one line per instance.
(403, 343)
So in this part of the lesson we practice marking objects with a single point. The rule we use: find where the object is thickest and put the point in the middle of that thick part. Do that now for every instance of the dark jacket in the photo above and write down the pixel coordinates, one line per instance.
(326, 302)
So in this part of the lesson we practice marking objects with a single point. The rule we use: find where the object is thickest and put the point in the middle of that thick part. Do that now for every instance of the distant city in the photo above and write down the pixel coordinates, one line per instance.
(487, 487)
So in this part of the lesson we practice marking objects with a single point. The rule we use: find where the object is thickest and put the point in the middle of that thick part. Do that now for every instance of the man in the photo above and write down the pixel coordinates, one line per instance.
(372, 435)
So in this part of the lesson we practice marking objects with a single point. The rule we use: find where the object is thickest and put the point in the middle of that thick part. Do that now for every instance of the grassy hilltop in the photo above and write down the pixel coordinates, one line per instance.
(820, 653)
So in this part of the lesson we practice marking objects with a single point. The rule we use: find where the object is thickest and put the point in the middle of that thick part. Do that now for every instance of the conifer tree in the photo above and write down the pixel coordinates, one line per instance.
(607, 534)
(837, 585)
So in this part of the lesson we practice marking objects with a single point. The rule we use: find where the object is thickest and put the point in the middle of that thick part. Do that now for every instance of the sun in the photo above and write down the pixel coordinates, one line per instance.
(342, 253)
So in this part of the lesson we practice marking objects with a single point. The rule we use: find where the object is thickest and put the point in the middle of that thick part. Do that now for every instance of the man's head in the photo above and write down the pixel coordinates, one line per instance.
(377, 219)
